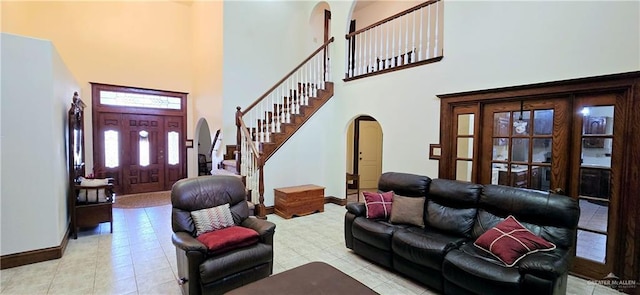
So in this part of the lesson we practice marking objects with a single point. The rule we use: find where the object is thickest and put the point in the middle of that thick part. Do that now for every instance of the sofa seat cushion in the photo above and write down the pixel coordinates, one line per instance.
(229, 238)
(424, 246)
(235, 261)
(374, 233)
(475, 270)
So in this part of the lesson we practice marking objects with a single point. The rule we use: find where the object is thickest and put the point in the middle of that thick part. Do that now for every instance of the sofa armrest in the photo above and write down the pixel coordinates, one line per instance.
(187, 243)
(265, 229)
(357, 209)
(548, 265)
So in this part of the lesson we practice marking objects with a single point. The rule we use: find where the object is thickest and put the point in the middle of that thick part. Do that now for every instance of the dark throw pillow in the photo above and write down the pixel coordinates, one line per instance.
(229, 238)
(378, 204)
(407, 210)
(509, 241)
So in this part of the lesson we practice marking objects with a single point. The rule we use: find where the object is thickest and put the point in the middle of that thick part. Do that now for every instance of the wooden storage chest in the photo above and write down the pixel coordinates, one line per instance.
(299, 200)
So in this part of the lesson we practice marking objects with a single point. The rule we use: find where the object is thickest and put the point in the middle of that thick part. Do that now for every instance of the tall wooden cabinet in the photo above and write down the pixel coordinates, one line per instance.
(90, 200)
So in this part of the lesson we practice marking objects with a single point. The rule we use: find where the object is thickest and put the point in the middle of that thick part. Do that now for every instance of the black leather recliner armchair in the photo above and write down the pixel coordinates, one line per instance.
(202, 272)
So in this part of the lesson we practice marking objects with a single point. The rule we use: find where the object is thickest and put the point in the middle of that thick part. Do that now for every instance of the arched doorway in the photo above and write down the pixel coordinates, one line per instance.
(203, 144)
(320, 25)
(364, 156)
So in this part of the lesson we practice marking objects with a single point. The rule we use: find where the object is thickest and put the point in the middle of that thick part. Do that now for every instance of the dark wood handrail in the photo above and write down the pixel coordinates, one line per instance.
(397, 15)
(287, 76)
(213, 143)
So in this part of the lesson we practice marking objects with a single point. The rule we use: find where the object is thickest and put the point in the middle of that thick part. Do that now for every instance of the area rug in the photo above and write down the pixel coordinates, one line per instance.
(143, 200)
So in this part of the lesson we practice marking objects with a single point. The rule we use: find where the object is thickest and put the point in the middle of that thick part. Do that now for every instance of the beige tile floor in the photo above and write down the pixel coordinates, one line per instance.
(138, 258)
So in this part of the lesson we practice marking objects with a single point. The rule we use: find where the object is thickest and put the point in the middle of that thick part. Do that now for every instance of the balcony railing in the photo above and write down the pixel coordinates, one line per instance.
(410, 38)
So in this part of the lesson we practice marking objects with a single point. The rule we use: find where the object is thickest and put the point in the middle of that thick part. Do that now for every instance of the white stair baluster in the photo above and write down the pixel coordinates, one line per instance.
(421, 25)
(413, 42)
(429, 44)
(406, 39)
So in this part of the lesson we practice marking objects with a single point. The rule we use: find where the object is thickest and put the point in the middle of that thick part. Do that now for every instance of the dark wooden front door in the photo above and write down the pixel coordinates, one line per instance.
(144, 153)
(138, 137)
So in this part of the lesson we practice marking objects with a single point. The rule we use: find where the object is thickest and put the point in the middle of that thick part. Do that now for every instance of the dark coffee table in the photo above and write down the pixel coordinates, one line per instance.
(308, 279)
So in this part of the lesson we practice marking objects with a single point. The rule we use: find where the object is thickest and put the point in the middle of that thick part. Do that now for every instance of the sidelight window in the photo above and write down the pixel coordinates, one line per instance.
(173, 142)
(111, 149)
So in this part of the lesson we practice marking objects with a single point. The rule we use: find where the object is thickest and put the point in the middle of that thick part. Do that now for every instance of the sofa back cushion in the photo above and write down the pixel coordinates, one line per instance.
(550, 216)
(404, 184)
(452, 206)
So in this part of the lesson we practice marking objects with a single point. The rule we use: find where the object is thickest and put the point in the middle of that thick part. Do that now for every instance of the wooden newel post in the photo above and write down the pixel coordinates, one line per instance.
(238, 140)
(262, 210)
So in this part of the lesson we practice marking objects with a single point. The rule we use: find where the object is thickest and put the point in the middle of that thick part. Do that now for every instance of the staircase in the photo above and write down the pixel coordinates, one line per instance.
(265, 125)
(281, 133)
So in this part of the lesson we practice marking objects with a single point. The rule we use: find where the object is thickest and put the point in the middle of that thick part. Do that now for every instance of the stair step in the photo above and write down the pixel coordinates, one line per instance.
(224, 172)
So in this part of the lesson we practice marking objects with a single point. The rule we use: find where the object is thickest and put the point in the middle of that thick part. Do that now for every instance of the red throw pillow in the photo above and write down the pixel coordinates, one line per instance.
(228, 238)
(378, 204)
(509, 241)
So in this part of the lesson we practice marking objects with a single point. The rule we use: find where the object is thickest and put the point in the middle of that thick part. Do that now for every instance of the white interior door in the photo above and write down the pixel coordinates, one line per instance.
(369, 154)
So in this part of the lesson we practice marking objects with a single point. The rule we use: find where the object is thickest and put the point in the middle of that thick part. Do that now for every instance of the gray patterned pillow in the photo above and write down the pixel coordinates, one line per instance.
(210, 219)
(407, 210)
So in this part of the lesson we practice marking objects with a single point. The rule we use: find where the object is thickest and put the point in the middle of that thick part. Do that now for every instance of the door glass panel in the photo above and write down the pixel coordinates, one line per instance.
(501, 124)
(542, 122)
(173, 148)
(595, 215)
(596, 151)
(592, 246)
(463, 170)
(496, 170)
(541, 178)
(111, 149)
(519, 176)
(500, 151)
(143, 147)
(465, 147)
(465, 124)
(542, 150)
(595, 182)
(521, 124)
(520, 150)
(597, 120)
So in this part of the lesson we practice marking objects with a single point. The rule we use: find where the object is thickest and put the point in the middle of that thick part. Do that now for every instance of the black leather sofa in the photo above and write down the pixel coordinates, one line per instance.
(442, 255)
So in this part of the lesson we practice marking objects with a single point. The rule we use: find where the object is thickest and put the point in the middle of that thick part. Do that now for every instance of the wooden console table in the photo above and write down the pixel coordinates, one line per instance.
(299, 200)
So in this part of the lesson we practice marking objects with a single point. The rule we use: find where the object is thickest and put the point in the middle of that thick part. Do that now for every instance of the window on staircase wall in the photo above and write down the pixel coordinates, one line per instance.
(409, 38)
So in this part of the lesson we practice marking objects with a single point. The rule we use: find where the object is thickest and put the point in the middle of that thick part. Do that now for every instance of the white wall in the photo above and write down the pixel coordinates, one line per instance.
(263, 41)
(487, 44)
(369, 12)
(36, 91)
